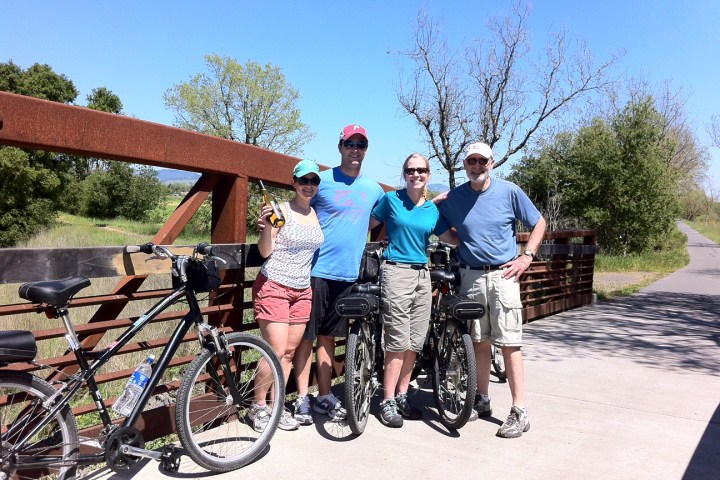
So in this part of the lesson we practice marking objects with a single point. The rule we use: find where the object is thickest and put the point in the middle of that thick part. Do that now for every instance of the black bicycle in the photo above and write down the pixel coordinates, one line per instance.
(364, 355)
(448, 356)
(38, 431)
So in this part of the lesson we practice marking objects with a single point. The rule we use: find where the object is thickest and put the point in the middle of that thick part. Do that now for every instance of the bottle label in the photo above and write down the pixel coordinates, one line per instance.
(139, 379)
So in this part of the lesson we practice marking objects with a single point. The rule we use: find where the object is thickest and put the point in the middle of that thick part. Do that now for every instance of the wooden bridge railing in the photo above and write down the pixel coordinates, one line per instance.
(560, 279)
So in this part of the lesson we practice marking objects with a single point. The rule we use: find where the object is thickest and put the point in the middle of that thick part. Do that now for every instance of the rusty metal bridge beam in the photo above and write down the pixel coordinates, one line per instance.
(28, 122)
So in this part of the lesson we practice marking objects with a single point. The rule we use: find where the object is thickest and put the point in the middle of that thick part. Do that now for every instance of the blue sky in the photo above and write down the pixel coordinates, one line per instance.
(341, 55)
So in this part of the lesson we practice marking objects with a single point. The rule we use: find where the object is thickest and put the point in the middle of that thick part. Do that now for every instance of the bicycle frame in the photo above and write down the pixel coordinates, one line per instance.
(87, 371)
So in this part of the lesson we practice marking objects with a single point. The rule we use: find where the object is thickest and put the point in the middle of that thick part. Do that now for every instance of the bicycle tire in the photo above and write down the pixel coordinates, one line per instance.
(358, 376)
(217, 434)
(454, 377)
(498, 363)
(24, 399)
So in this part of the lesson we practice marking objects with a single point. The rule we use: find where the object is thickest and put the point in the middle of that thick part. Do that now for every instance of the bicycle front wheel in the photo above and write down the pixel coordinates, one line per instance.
(359, 389)
(53, 449)
(454, 377)
(215, 429)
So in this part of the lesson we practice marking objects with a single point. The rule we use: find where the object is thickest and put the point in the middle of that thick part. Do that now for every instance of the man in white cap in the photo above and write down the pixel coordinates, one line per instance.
(343, 205)
(484, 212)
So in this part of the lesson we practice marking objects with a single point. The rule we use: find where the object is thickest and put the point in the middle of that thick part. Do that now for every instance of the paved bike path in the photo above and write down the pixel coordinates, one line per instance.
(624, 389)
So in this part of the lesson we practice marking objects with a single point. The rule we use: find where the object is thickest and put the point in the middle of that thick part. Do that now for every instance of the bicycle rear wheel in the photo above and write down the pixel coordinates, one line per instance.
(359, 388)
(22, 407)
(217, 432)
(454, 377)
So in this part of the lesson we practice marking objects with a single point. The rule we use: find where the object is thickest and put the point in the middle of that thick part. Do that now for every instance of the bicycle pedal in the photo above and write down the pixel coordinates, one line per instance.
(170, 459)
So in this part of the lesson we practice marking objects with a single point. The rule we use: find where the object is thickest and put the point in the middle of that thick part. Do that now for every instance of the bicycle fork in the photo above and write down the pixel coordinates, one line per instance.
(217, 340)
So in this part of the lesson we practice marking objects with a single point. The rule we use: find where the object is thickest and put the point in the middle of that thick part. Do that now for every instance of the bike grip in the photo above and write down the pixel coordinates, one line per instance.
(206, 249)
(147, 248)
(132, 248)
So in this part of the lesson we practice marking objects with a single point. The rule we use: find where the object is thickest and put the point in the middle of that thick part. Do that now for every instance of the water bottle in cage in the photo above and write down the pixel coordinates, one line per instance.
(134, 387)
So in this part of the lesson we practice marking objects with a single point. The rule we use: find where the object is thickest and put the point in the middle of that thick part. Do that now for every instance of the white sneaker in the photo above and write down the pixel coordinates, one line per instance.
(260, 415)
(287, 422)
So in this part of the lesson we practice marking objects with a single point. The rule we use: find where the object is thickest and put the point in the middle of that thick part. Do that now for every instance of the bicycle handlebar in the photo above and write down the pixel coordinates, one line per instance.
(150, 248)
(440, 244)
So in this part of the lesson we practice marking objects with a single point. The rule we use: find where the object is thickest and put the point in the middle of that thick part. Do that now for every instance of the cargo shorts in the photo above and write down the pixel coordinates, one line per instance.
(502, 321)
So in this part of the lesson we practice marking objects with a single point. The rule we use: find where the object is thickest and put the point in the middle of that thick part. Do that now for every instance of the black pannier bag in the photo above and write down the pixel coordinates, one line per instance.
(369, 265)
(202, 275)
(461, 307)
(17, 346)
(357, 305)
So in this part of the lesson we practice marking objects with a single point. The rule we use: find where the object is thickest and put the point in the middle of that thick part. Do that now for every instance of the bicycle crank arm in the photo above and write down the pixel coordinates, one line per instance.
(140, 452)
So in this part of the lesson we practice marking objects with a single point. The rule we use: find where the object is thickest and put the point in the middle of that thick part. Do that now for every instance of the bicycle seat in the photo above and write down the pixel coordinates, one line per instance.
(53, 292)
(442, 275)
(372, 288)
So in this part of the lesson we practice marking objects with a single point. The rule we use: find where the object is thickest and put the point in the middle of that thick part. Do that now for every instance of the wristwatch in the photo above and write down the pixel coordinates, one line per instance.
(529, 254)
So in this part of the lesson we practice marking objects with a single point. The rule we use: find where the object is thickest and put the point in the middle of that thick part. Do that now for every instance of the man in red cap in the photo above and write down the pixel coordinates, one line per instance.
(343, 205)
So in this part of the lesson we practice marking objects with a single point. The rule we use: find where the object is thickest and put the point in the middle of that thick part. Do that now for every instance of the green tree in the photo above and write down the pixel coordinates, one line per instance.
(118, 191)
(246, 103)
(39, 81)
(31, 190)
(613, 177)
(26, 197)
(104, 100)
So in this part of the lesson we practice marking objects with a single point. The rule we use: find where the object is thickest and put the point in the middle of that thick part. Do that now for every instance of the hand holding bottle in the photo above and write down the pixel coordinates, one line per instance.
(277, 219)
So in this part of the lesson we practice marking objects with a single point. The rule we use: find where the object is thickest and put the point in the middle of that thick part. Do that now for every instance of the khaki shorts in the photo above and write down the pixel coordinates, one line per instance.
(502, 322)
(407, 297)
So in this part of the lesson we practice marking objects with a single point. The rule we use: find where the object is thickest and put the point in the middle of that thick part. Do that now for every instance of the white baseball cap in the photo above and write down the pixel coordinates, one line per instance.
(479, 148)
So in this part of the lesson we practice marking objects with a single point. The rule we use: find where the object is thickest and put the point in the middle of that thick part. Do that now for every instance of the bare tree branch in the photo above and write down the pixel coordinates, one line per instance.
(499, 94)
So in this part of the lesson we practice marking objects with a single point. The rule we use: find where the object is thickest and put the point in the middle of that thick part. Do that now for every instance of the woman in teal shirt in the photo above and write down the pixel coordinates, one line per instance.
(410, 220)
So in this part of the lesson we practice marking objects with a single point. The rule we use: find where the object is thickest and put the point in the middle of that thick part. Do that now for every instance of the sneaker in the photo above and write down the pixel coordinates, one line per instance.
(482, 405)
(389, 415)
(302, 410)
(260, 415)
(406, 409)
(516, 424)
(330, 405)
(287, 422)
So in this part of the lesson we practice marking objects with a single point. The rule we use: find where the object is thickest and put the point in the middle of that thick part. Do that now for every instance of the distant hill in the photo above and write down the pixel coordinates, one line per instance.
(438, 187)
(167, 175)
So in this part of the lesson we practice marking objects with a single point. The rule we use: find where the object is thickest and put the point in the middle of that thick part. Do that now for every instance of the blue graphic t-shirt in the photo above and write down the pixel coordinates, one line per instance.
(343, 205)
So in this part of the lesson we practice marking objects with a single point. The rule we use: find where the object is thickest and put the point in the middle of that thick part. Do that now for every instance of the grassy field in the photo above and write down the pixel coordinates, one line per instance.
(710, 230)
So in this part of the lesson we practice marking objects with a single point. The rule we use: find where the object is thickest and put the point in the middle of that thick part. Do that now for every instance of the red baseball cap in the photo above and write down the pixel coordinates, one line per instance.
(351, 130)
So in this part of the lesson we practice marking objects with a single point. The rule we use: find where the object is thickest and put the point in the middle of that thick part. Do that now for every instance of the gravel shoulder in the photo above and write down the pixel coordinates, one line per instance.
(606, 282)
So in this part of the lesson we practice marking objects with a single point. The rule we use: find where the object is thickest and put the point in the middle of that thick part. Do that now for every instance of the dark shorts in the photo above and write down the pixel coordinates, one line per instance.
(324, 320)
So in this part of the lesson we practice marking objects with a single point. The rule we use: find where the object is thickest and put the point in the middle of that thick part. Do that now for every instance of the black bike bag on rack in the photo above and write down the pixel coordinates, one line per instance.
(461, 307)
(17, 346)
(357, 305)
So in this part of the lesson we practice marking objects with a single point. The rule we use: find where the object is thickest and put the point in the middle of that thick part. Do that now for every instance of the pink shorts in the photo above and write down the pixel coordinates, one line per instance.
(277, 303)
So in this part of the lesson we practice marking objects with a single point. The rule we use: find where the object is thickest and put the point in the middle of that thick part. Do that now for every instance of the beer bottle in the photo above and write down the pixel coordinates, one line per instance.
(277, 219)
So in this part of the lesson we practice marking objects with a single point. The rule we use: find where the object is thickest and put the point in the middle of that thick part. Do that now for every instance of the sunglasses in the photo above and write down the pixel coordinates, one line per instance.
(351, 145)
(410, 171)
(481, 161)
(314, 181)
